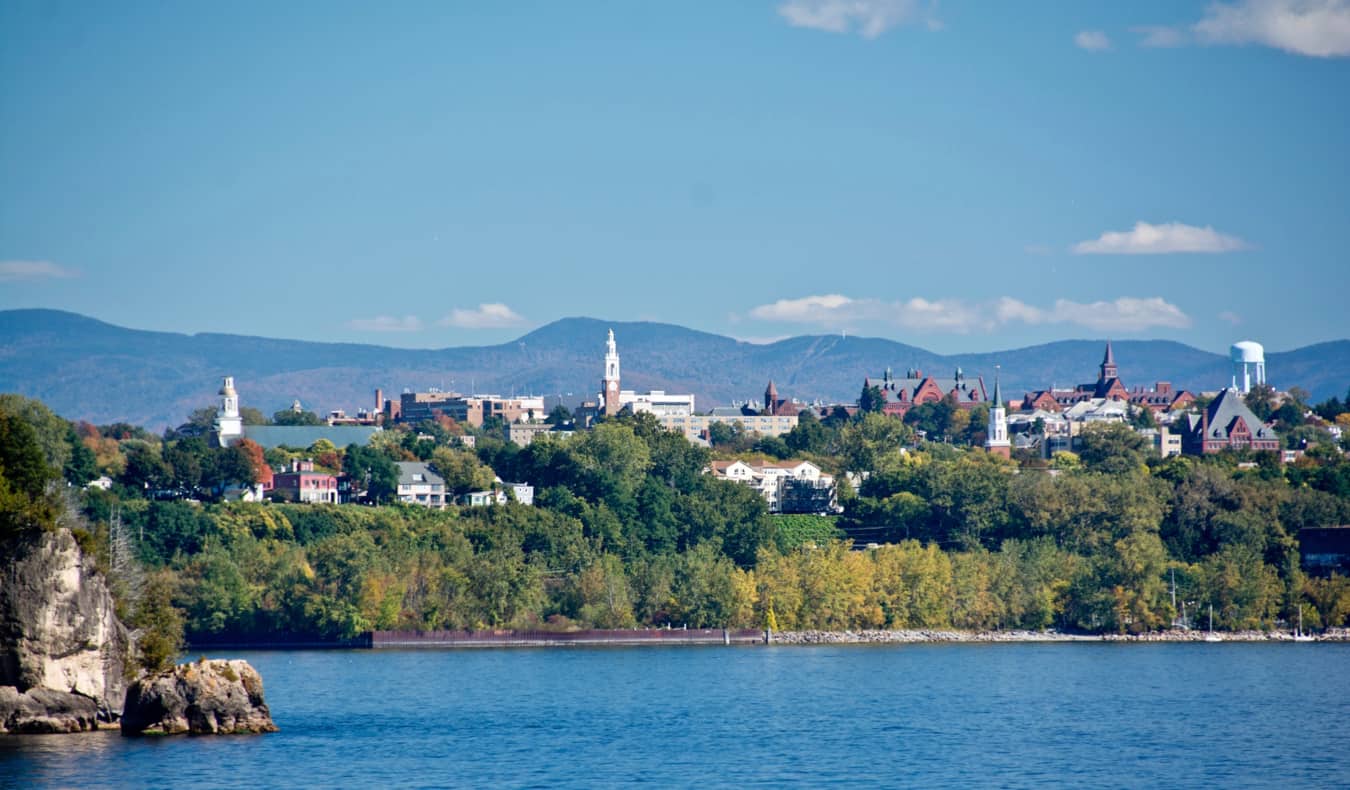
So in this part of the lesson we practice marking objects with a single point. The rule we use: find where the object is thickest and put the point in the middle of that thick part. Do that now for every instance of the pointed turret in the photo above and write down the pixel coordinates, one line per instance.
(1108, 364)
(770, 398)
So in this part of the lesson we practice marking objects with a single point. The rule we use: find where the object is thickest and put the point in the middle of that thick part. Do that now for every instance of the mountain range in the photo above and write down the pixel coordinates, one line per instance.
(87, 369)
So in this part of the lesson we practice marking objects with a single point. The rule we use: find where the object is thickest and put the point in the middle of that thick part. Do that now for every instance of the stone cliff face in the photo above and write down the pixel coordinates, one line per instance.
(201, 698)
(62, 648)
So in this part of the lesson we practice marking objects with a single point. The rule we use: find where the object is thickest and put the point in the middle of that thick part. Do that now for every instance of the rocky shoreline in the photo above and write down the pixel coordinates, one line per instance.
(931, 636)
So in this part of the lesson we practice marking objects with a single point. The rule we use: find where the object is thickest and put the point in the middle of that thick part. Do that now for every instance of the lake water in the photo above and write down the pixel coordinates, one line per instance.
(1115, 715)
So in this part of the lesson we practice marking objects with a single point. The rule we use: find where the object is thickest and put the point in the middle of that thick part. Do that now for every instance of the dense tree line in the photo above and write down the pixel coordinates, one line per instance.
(627, 529)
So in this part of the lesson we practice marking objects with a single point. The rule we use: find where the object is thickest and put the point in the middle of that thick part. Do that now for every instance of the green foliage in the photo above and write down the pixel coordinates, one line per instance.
(628, 529)
(293, 417)
(797, 530)
(161, 624)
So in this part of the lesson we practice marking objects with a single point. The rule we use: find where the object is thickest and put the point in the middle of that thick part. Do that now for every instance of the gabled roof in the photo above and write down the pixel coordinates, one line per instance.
(414, 472)
(1224, 412)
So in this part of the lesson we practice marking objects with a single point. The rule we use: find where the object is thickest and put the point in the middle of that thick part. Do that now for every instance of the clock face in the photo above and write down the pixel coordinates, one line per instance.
(613, 386)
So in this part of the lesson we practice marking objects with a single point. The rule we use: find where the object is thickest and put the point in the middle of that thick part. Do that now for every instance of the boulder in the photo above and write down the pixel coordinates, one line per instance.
(200, 698)
(45, 710)
(58, 626)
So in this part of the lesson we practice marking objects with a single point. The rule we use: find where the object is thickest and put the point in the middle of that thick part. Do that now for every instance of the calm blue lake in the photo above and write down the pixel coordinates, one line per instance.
(1192, 715)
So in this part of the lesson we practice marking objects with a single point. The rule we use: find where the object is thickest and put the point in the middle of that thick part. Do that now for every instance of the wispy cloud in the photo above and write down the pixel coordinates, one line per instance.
(836, 311)
(1317, 28)
(492, 315)
(387, 323)
(11, 271)
(867, 18)
(1169, 237)
(1231, 317)
(1159, 36)
(1092, 40)
(1125, 314)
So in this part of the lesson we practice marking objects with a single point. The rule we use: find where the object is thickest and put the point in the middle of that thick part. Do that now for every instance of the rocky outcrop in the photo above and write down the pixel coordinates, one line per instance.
(203, 697)
(45, 711)
(59, 632)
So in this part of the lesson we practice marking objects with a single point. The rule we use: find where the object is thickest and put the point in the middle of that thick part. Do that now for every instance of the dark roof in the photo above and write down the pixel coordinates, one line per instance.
(1229, 407)
(270, 436)
(408, 472)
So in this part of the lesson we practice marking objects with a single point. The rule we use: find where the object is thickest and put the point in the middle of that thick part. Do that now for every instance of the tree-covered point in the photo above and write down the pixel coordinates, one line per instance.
(629, 529)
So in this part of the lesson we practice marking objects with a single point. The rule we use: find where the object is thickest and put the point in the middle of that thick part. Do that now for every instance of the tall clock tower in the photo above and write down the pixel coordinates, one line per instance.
(609, 385)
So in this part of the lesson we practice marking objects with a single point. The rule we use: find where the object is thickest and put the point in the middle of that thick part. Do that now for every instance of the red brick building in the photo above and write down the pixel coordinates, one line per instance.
(915, 389)
(1108, 386)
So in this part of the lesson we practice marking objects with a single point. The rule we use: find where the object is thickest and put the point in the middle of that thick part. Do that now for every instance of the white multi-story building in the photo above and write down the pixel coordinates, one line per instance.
(695, 426)
(787, 486)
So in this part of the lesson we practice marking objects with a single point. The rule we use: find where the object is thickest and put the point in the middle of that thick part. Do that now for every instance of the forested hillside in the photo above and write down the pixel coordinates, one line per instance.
(628, 529)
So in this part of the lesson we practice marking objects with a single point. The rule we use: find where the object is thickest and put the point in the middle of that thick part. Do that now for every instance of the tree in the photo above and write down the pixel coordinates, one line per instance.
(82, 466)
(1113, 448)
(1261, 400)
(24, 475)
(1141, 417)
(293, 417)
(251, 416)
(808, 435)
(371, 470)
(560, 415)
(462, 470)
(51, 432)
(871, 400)
(145, 470)
(161, 624)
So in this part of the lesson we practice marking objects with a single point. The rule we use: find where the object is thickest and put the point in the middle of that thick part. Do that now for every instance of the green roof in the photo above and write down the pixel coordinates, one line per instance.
(298, 436)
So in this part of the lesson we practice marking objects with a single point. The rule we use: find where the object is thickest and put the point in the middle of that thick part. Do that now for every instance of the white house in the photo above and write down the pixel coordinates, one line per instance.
(418, 485)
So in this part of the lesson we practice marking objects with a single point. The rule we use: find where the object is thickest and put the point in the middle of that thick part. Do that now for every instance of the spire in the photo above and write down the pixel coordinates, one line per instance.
(998, 393)
(771, 398)
(1109, 370)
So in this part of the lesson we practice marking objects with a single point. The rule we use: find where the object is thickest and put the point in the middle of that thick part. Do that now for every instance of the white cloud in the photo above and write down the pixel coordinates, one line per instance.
(1231, 317)
(868, 18)
(1092, 40)
(1319, 28)
(387, 323)
(1159, 36)
(1122, 315)
(492, 315)
(1169, 237)
(836, 311)
(33, 270)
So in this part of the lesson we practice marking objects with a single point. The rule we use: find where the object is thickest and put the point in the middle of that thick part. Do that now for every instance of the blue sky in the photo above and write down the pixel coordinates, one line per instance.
(957, 175)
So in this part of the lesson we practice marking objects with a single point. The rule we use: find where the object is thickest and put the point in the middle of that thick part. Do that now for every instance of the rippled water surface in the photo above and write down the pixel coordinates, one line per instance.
(1153, 715)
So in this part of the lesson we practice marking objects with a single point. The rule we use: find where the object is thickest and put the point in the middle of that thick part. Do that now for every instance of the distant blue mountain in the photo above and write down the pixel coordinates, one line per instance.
(87, 369)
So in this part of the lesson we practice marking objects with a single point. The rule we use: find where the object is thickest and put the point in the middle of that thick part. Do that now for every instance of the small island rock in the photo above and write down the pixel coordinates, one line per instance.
(199, 698)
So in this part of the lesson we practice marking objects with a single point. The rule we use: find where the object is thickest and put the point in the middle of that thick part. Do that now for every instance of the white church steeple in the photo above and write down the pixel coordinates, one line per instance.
(996, 433)
(229, 425)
